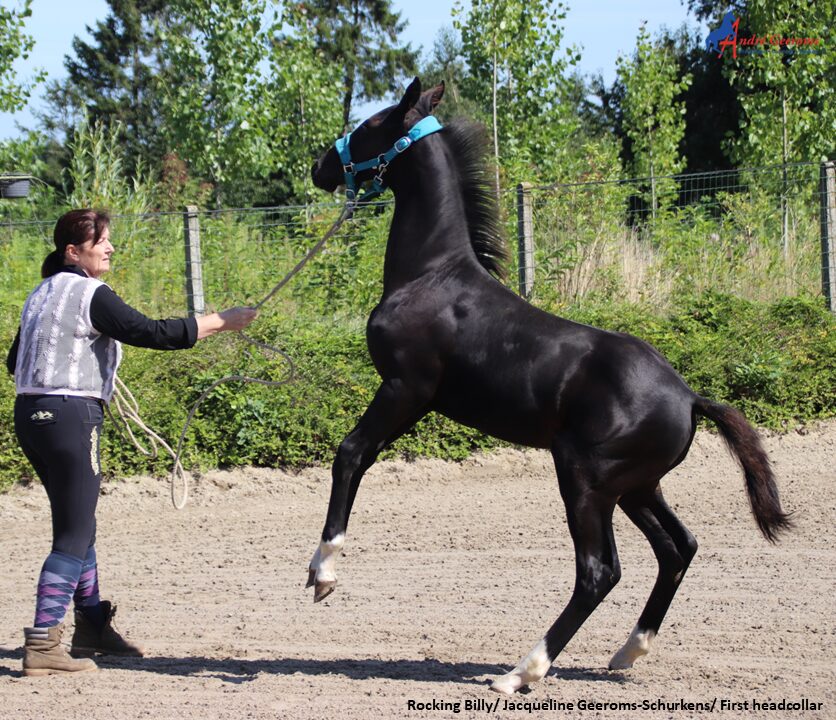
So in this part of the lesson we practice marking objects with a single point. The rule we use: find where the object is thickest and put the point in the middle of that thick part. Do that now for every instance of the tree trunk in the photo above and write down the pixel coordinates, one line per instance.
(495, 129)
(785, 232)
(349, 93)
(653, 200)
(351, 71)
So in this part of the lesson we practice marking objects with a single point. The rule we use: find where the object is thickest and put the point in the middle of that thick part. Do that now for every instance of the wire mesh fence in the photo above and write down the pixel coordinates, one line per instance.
(756, 233)
(759, 233)
(242, 254)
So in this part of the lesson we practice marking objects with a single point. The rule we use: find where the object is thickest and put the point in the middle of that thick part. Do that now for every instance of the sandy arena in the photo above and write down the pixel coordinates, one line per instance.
(451, 573)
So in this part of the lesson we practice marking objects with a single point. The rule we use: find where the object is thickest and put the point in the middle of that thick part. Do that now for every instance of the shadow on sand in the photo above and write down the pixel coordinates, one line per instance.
(238, 671)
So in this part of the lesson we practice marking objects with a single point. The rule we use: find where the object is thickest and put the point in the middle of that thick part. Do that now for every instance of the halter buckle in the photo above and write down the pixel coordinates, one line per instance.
(402, 144)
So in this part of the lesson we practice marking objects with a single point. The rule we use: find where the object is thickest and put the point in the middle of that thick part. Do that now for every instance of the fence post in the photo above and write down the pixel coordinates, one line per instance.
(194, 265)
(525, 239)
(827, 186)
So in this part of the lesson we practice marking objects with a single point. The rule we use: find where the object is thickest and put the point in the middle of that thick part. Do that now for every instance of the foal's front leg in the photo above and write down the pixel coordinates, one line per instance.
(396, 407)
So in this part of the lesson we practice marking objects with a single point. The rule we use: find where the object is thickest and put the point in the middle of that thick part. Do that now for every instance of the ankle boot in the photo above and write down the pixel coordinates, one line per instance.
(43, 653)
(89, 638)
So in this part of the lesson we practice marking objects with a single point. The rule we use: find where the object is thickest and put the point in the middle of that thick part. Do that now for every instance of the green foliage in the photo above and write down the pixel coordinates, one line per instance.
(785, 89)
(712, 108)
(587, 244)
(710, 103)
(177, 187)
(212, 99)
(361, 38)
(446, 64)
(14, 44)
(26, 155)
(653, 117)
(303, 92)
(110, 78)
(347, 278)
(512, 49)
(245, 97)
(13, 464)
(575, 224)
(97, 176)
(773, 361)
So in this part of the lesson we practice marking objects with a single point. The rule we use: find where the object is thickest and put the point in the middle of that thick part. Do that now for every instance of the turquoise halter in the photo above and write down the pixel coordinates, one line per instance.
(427, 126)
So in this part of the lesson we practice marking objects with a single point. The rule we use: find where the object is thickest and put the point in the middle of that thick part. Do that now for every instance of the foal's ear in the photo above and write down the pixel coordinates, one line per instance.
(410, 97)
(429, 100)
(426, 104)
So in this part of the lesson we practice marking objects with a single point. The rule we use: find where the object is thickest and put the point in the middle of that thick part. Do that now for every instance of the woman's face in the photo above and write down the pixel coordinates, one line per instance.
(92, 257)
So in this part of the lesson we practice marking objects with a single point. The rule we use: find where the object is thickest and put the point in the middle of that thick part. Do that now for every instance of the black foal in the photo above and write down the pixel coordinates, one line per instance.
(448, 337)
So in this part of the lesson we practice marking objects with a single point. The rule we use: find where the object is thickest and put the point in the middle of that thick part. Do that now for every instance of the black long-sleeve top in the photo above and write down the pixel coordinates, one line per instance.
(113, 317)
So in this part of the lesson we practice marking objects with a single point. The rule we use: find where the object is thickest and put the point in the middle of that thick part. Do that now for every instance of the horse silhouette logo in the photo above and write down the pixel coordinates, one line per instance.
(724, 36)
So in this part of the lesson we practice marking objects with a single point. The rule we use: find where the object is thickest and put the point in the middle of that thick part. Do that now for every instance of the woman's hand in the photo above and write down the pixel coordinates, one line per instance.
(236, 318)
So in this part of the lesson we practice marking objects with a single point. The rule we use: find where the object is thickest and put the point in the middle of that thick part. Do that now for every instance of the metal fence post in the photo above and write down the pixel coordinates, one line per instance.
(827, 186)
(525, 239)
(194, 265)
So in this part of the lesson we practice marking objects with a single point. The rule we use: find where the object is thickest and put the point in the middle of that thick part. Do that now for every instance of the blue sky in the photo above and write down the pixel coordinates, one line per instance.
(604, 29)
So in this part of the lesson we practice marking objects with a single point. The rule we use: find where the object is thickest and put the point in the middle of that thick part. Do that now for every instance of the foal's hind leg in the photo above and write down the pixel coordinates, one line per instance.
(597, 570)
(395, 408)
(674, 547)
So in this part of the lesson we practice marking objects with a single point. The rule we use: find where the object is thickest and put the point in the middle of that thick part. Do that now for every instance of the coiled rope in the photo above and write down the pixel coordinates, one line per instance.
(127, 408)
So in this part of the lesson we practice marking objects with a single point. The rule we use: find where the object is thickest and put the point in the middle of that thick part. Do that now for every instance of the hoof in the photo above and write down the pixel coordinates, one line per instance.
(507, 684)
(324, 589)
(532, 669)
(311, 577)
(620, 663)
(637, 645)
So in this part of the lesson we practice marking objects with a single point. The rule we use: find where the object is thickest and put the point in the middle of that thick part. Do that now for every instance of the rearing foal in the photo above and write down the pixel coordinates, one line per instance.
(448, 337)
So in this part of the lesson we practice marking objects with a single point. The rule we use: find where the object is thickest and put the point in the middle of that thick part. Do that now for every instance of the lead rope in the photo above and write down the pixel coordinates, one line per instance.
(128, 410)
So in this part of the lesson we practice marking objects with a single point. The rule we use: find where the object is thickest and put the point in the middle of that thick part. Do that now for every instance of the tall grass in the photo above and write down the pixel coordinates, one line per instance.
(589, 246)
(96, 176)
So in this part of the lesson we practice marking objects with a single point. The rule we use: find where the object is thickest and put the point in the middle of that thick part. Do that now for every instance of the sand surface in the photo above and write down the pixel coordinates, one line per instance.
(450, 574)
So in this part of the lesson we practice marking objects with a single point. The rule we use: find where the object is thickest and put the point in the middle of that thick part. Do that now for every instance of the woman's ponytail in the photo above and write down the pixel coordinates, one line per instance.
(52, 263)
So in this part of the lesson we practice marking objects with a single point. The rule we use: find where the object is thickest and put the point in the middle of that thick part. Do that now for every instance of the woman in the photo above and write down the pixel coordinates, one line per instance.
(64, 360)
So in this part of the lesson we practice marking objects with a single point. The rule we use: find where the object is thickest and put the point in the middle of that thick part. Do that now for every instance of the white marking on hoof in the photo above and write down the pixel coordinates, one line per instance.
(637, 644)
(530, 670)
(328, 554)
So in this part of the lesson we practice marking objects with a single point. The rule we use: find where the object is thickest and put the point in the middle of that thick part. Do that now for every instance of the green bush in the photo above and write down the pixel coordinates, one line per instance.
(297, 424)
(775, 361)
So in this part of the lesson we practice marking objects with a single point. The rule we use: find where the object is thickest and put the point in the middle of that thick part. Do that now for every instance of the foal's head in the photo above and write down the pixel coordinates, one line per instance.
(377, 135)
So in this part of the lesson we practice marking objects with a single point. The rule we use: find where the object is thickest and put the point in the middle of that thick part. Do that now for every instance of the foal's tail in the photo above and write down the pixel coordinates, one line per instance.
(744, 442)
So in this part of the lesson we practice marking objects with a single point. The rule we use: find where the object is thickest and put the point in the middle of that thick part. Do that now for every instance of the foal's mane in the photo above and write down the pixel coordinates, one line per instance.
(468, 143)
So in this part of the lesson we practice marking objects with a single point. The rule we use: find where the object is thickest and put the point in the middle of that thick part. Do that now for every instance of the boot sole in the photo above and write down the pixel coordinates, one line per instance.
(41, 672)
(90, 652)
